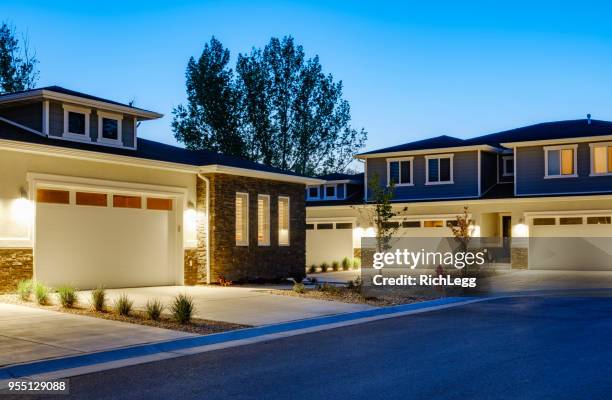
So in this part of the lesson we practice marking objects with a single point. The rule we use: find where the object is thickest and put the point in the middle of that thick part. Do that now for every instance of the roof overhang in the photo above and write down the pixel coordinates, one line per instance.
(457, 149)
(44, 94)
(252, 173)
(582, 139)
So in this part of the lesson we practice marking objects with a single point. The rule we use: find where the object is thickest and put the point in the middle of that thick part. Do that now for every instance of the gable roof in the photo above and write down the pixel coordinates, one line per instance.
(342, 177)
(147, 150)
(425, 144)
(67, 94)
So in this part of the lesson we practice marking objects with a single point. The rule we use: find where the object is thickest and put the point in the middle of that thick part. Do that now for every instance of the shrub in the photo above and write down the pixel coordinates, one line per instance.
(312, 269)
(182, 308)
(123, 305)
(24, 289)
(355, 285)
(67, 296)
(42, 293)
(335, 265)
(299, 287)
(356, 263)
(98, 298)
(154, 309)
(324, 267)
(327, 288)
(346, 264)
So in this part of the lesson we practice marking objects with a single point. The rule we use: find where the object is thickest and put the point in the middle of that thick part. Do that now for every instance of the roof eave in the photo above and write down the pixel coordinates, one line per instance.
(583, 139)
(253, 173)
(455, 149)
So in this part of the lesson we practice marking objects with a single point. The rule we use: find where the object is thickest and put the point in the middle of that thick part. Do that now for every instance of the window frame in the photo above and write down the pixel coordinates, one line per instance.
(451, 157)
(288, 220)
(245, 239)
(505, 160)
(592, 147)
(66, 134)
(335, 196)
(318, 188)
(266, 212)
(400, 160)
(113, 116)
(560, 148)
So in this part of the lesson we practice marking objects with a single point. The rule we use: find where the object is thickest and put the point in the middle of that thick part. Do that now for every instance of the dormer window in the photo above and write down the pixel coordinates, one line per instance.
(508, 165)
(109, 128)
(313, 193)
(330, 191)
(439, 169)
(76, 123)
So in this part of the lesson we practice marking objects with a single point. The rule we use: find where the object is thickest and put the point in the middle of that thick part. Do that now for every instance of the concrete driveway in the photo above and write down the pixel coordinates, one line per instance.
(28, 334)
(240, 305)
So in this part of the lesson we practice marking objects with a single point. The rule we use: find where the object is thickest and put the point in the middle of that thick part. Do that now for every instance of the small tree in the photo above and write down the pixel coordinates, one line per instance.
(462, 231)
(383, 212)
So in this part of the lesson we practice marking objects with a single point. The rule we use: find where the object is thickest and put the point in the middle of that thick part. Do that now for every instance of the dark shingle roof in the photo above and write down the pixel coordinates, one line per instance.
(146, 149)
(432, 143)
(342, 177)
(59, 89)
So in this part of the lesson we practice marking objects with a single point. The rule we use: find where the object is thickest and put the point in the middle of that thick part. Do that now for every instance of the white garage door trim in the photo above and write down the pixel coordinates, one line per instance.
(73, 184)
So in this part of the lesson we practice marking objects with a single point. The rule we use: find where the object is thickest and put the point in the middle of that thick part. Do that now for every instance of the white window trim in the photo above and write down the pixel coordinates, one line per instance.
(560, 147)
(452, 172)
(400, 159)
(504, 161)
(288, 220)
(318, 197)
(76, 136)
(592, 150)
(116, 117)
(266, 241)
(335, 196)
(245, 241)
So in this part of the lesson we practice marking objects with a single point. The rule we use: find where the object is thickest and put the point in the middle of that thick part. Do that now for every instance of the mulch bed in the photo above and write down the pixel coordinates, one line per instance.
(199, 326)
(350, 296)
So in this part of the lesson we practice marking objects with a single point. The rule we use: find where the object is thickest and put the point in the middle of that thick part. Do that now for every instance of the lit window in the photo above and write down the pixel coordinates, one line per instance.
(560, 161)
(433, 224)
(263, 220)
(544, 221)
(601, 159)
(570, 221)
(599, 220)
(283, 221)
(508, 162)
(120, 201)
(242, 219)
(91, 199)
(439, 169)
(53, 196)
(400, 171)
(154, 203)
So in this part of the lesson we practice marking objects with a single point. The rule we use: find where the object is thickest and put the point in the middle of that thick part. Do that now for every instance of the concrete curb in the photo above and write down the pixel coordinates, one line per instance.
(99, 361)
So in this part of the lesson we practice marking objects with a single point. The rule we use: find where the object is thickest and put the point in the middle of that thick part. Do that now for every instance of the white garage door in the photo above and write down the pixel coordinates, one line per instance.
(328, 241)
(571, 242)
(87, 239)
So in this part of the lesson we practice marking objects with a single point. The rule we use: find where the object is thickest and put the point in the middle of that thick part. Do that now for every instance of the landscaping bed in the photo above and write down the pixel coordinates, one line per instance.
(196, 325)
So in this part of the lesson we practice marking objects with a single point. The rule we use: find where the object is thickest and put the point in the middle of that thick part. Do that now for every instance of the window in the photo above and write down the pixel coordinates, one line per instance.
(391, 224)
(159, 204)
(263, 220)
(109, 128)
(570, 221)
(330, 191)
(508, 165)
(242, 219)
(601, 158)
(544, 221)
(76, 123)
(411, 224)
(599, 220)
(433, 224)
(283, 221)
(309, 227)
(91, 199)
(560, 161)
(325, 226)
(53, 196)
(313, 192)
(452, 223)
(120, 201)
(344, 225)
(439, 169)
(399, 170)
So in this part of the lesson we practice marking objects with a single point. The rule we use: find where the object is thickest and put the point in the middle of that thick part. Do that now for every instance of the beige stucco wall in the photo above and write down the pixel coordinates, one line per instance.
(14, 167)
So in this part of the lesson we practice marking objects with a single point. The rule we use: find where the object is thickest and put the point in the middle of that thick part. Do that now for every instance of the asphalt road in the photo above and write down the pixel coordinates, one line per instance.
(525, 348)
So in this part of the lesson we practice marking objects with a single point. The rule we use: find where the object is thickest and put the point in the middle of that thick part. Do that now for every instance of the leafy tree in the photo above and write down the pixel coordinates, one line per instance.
(382, 212)
(286, 112)
(211, 119)
(17, 64)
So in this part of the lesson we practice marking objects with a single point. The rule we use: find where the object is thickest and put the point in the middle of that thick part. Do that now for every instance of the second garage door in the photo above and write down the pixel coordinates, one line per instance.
(90, 238)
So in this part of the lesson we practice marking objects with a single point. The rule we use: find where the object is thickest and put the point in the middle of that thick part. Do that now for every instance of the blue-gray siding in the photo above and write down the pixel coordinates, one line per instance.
(488, 170)
(29, 115)
(465, 173)
(530, 174)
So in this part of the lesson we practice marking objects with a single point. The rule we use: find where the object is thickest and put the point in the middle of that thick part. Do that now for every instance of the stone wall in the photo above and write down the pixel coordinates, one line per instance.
(519, 258)
(252, 262)
(191, 268)
(15, 265)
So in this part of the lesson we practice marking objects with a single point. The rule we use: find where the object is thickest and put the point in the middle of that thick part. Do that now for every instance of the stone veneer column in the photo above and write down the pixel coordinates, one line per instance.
(15, 265)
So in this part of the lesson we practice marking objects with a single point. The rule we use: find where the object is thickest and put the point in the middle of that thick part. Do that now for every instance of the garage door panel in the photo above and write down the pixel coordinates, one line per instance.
(89, 246)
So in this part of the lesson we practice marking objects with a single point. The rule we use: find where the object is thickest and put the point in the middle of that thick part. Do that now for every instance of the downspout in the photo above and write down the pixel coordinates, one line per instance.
(207, 209)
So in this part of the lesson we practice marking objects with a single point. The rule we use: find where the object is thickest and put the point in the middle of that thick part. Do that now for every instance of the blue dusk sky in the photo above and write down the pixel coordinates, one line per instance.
(410, 70)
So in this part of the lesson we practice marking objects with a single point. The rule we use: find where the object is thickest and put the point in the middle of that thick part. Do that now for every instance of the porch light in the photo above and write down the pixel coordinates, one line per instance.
(475, 230)
(370, 232)
(190, 220)
(22, 211)
(520, 230)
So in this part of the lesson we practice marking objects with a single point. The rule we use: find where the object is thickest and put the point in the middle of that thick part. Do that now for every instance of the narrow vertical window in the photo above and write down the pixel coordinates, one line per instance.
(263, 220)
(283, 221)
(242, 219)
